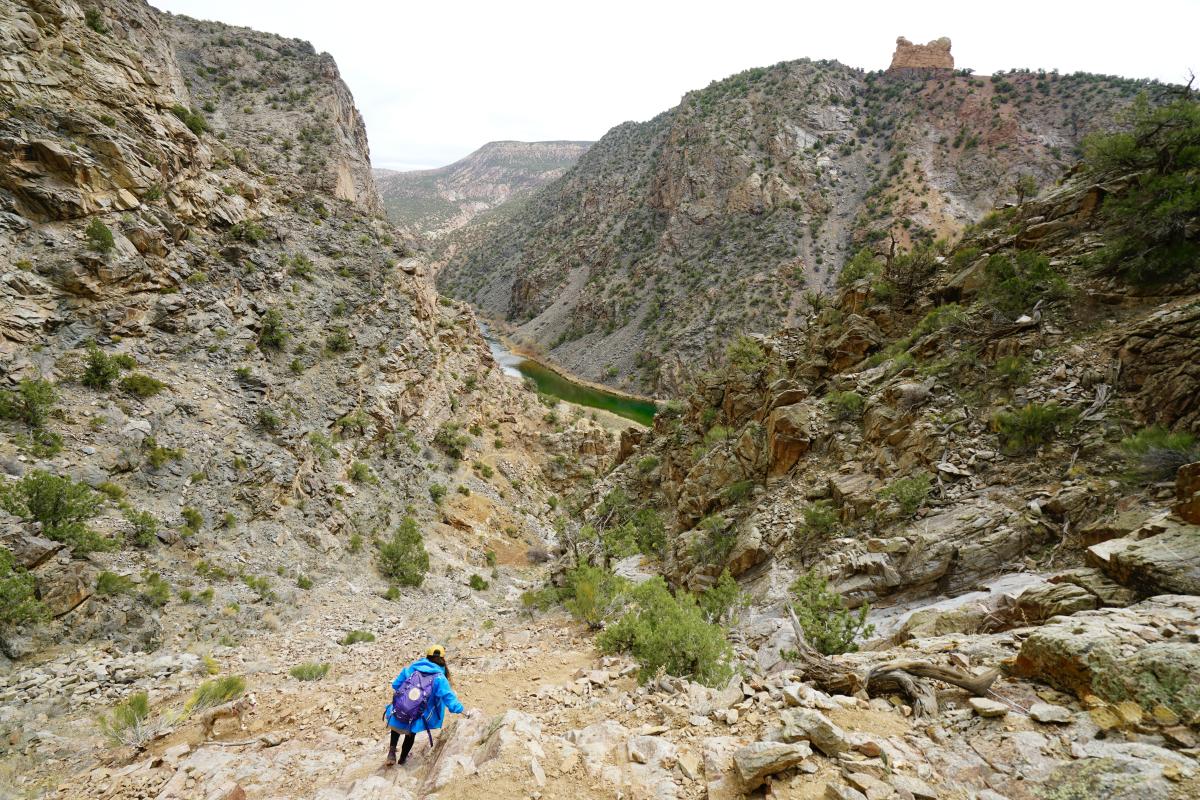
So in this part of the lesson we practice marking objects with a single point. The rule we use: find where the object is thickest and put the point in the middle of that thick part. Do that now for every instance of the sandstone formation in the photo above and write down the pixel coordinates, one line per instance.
(912, 58)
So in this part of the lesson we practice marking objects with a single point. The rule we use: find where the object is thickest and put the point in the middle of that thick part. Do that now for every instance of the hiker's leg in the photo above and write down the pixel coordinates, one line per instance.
(391, 753)
(395, 738)
(409, 738)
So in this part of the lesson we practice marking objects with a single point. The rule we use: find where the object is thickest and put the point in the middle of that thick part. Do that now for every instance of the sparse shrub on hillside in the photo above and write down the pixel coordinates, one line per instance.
(157, 455)
(865, 264)
(31, 402)
(451, 441)
(403, 558)
(828, 626)
(95, 20)
(477, 582)
(745, 355)
(820, 519)
(647, 464)
(128, 724)
(272, 333)
(437, 493)
(304, 582)
(18, 592)
(1154, 219)
(1025, 186)
(193, 520)
(1011, 370)
(1031, 426)
(193, 119)
(215, 692)
(1013, 284)
(100, 369)
(910, 493)
(269, 421)
(669, 632)
(141, 385)
(61, 505)
(111, 584)
(155, 590)
(1160, 453)
(359, 472)
(593, 595)
(100, 238)
(250, 232)
(714, 540)
(626, 529)
(354, 637)
(145, 527)
(845, 405)
(261, 586)
(723, 601)
(338, 340)
(309, 671)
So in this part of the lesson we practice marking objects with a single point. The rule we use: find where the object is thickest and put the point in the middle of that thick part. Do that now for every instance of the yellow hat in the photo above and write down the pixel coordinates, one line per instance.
(436, 650)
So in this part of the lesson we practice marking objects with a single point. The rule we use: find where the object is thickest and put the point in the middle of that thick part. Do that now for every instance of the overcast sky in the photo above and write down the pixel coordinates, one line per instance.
(436, 79)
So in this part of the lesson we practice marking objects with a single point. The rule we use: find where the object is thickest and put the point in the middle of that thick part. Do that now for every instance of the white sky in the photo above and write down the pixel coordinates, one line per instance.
(436, 79)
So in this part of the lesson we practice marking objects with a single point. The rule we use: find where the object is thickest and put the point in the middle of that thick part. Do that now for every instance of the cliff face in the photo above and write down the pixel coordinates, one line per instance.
(436, 202)
(922, 57)
(669, 236)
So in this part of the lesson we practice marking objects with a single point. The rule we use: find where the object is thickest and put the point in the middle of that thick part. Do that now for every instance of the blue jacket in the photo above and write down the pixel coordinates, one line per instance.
(441, 700)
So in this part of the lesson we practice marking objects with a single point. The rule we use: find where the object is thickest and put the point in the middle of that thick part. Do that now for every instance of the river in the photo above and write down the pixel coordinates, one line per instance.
(555, 384)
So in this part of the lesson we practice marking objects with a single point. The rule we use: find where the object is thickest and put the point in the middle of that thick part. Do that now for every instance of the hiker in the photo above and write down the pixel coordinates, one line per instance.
(421, 695)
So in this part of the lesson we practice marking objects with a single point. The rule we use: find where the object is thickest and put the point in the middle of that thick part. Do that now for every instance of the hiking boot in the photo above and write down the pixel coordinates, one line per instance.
(402, 759)
(391, 756)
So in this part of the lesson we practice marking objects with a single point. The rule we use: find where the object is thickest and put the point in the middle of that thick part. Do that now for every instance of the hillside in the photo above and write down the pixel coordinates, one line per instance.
(722, 214)
(434, 202)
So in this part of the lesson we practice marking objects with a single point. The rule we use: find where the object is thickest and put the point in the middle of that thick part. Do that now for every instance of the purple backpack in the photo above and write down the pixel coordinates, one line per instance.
(411, 699)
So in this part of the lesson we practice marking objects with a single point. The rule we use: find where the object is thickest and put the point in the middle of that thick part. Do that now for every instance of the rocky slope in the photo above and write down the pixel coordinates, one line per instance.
(670, 236)
(435, 202)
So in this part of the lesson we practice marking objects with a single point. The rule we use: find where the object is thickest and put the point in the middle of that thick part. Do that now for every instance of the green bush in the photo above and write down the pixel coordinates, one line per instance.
(338, 340)
(141, 385)
(863, 265)
(304, 582)
(127, 724)
(18, 592)
(820, 519)
(100, 369)
(155, 590)
(1011, 370)
(61, 505)
(261, 586)
(403, 558)
(477, 583)
(194, 120)
(31, 403)
(1031, 426)
(309, 671)
(437, 492)
(669, 632)
(594, 595)
(451, 441)
(354, 637)
(827, 624)
(110, 583)
(910, 493)
(1160, 453)
(745, 355)
(95, 20)
(99, 236)
(193, 520)
(1014, 283)
(215, 692)
(145, 527)
(647, 464)
(360, 473)
(272, 333)
(845, 405)
(723, 600)
(1153, 221)
(714, 541)
(626, 529)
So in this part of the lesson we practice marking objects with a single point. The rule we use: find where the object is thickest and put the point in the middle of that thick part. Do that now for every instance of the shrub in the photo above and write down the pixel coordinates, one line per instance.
(269, 421)
(141, 385)
(1014, 283)
(193, 520)
(489, 556)
(155, 590)
(360, 473)
(250, 232)
(145, 527)
(745, 355)
(451, 441)
(541, 599)
(827, 624)
(594, 595)
(1011, 370)
(339, 341)
(100, 369)
(18, 592)
(261, 586)
(272, 333)
(31, 403)
(845, 405)
(1031, 426)
(99, 236)
(403, 558)
(714, 541)
(863, 265)
(309, 671)
(392, 593)
(436, 492)
(61, 505)
(110, 583)
(1160, 453)
(668, 632)
(128, 723)
(820, 519)
(215, 692)
(304, 582)
(95, 20)
(354, 637)
(647, 465)
(157, 455)
(193, 119)
(1153, 220)
(909, 493)
(723, 600)
(477, 583)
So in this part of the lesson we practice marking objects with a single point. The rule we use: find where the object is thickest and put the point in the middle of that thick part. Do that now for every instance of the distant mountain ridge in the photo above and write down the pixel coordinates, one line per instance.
(434, 202)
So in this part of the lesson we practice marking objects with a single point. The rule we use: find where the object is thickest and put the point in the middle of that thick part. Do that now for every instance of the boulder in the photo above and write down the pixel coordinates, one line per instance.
(1165, 563)
(1048, 713)
(988, 708)
(1187, 493)
(1039, 603)
(63, 585)
(757, 760)
(790, 434)
(803, 724)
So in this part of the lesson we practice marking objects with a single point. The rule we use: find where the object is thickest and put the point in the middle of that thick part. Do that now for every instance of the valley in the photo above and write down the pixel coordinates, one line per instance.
(855, 454)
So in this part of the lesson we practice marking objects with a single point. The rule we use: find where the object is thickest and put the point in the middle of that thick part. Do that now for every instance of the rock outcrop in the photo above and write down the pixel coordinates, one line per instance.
(910, 59)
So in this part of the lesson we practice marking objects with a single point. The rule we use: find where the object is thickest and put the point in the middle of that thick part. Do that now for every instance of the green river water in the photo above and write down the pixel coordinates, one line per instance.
(554, 384)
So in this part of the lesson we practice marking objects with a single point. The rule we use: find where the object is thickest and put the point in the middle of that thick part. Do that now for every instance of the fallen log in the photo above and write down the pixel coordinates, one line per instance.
(896, 677)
